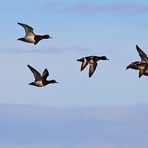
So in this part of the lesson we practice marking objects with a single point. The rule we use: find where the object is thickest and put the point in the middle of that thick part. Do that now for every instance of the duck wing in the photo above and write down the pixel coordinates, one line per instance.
(92, 68)
(142, 55)
(45, 74)
(28, 29)
(36, 74)
(84, 64)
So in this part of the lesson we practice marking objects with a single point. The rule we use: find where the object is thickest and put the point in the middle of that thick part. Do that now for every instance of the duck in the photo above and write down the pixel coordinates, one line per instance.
(92, 61)
(40, 80)
(30, 36)
(141, 66)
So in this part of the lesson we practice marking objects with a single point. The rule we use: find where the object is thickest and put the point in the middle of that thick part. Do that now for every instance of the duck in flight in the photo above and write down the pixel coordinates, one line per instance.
(142, 65)
(40, 80)
(30, 36)
(92, 61)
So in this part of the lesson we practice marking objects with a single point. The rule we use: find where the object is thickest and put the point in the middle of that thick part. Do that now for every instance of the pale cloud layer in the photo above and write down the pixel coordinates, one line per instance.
(126, 8)
(77, 127)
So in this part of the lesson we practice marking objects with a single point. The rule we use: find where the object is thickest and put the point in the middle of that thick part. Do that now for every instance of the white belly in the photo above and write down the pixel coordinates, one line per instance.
(39, 84)
(30, 39)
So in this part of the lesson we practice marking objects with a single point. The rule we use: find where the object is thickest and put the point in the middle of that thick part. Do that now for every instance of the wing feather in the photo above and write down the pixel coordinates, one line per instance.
(84, 64)
(92, 69)
(28, 29)
(45, 74)
(142, 55)
(36, 74)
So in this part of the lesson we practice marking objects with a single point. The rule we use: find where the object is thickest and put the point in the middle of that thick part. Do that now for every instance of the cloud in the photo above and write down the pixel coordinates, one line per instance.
(30, 146)
(94, 8)
(35, 126)
(121, 8)
(44, 50)
(30, 50)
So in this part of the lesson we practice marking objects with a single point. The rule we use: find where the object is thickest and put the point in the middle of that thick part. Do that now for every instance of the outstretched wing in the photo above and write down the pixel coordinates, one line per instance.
(36, 74)
(84, 64)
(142, 55)
(28, 29)
(45, 74)
(92, 69)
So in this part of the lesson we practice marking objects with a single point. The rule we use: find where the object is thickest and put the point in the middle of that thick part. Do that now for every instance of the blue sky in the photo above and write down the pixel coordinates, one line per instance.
(79, 28)
(108, 110)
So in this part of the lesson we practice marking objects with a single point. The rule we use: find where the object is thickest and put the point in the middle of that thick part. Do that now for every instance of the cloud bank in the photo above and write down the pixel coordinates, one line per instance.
(126, 8)
(94, 8)
(41, 127)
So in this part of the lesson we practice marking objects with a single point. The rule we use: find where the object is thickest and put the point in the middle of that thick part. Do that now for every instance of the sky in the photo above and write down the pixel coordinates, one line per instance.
(108, 110)
(79, 28)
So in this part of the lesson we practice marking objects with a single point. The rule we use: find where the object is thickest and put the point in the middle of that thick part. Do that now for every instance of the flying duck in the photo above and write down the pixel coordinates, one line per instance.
(141, 66)
(30, 36)
(40, 80)
(92, 61)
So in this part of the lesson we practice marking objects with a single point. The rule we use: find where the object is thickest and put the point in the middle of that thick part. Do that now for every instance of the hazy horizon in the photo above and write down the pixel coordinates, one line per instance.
(26, 126)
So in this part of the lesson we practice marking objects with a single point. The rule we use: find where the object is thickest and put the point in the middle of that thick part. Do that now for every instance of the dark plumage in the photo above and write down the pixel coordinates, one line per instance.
(40, 80)
(142, 65)
(92, 61)
(30, 36)
(142, 55)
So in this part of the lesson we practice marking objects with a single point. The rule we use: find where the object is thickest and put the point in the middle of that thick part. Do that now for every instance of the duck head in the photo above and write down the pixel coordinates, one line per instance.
(133, 65)
(104, 58)
(46, 36)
